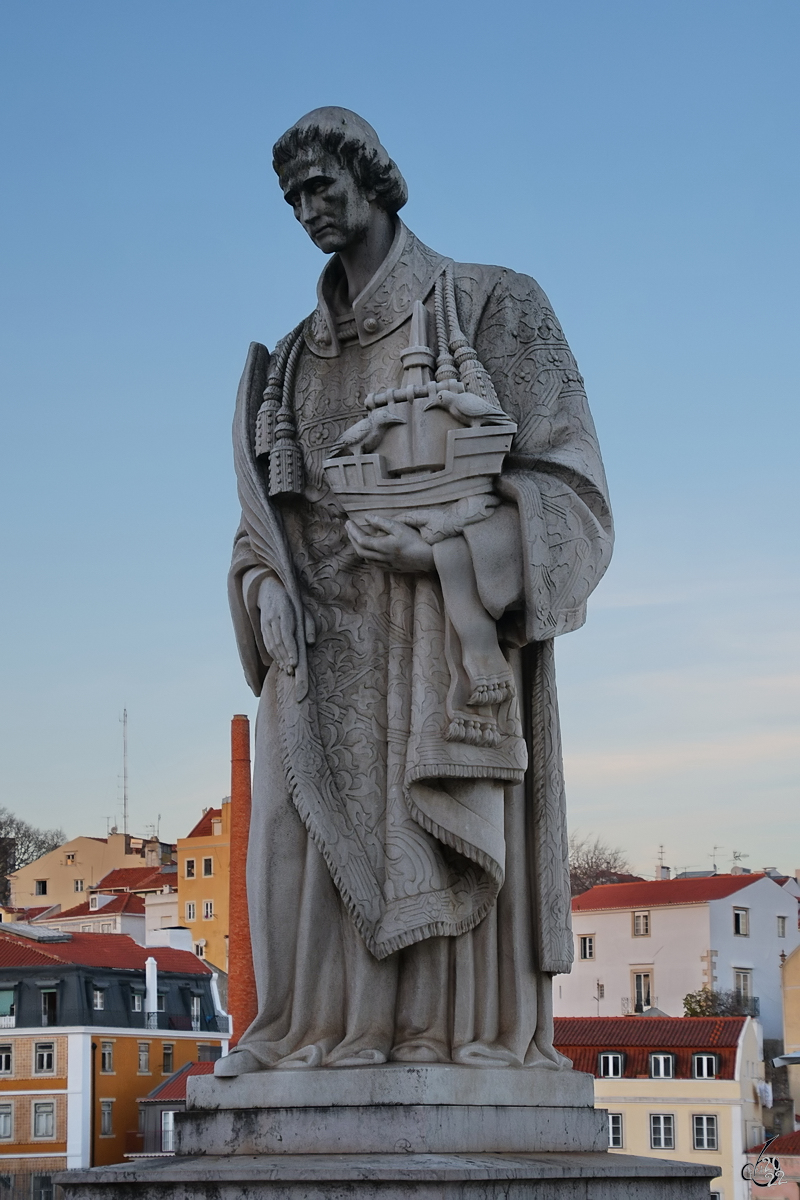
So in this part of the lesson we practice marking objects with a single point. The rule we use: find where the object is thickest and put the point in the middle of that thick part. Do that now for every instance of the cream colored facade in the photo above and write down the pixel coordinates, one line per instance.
(204, 884)
(734, 1103)
(790, 987)
(65, 875)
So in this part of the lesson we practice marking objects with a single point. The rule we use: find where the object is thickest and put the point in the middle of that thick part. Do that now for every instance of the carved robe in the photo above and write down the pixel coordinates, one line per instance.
(409, 896)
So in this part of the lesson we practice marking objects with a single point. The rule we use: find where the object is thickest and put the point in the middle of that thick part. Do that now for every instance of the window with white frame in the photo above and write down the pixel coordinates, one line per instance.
(662, 1131)
(661, 1066)
(6, 1122)
(167, 1058)
(107, 927)
(106, 1118)
(167, 1132)
(741, 922)
(86, 929)
(98, 999)
(107, 1058)
(704, 1130)
(587, 946)
(161, 1002)
(6, 1058)
(44, 1058)
(190, 868)
(781, 927)
(208, 867)
(615, 1131)
(44, 1119)
(136, 1002)
(195, 1012)
(641, 924)
(191, 910)
(208, 910)
(642, 991)
(743, 984)
(70, 859)
(144, 1058)
(610, 1065)
(77, 885)
(200, 948)
(704, 1066)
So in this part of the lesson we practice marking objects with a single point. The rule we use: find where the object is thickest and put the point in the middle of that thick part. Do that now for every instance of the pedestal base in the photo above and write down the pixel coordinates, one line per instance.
(599, 1176)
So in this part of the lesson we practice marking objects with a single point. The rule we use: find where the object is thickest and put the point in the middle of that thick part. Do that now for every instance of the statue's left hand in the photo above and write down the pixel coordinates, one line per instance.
(391, 544)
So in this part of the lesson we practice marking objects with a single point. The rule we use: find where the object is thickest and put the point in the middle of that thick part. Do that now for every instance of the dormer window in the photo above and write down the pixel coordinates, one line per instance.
(662, 1066)
(93, 905)
(216, 827)
(704, 1066)
(611, 1065)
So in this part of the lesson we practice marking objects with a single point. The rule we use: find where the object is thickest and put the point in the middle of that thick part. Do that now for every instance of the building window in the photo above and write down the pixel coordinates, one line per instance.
(587, 946)
(610, 1066)
(195, 1012)
(77, 885)
(642, 998)
(44, 1058)
(41, 1187)
(98, 999)
(161, 1002)
(48, 1006)
(136, 1002)
(191, 910)
(743, 985)
(6, 1122)
(167, 1058)
(144, 1058)
(615, 1131)
(86, 929)
(70, 859)
(705, 1132)
(106, 1118)
(107, 1058)
(705, 1066)
(6, 1058)
(7, 1009)
(208, 1053)
(661, 1066)
(106, 927)
(44, 1119)
(662, 1131)
(741, 922)
(641, 924)
(208, 910)
(782, 927)
(190, 868)
(208, 867)
(167, 1132)
(200, 949)
(40, 887)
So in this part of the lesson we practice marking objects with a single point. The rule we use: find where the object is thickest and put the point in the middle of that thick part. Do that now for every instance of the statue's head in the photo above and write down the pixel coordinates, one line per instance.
(335, 174)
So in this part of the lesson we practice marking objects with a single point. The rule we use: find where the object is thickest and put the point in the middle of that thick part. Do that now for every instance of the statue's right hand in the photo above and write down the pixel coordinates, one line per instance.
(278, 623)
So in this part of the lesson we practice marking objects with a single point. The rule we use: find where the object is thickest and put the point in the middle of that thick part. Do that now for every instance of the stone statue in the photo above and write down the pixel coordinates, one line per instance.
(424, 510)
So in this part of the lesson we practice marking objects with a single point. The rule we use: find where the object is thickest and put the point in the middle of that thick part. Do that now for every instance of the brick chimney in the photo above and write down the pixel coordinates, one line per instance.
(242, 1001)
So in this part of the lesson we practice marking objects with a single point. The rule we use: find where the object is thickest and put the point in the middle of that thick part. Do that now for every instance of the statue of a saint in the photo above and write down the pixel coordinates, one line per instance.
(424, 510)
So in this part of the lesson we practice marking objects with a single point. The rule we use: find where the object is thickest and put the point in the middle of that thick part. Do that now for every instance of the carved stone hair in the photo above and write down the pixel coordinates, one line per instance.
(354, 143)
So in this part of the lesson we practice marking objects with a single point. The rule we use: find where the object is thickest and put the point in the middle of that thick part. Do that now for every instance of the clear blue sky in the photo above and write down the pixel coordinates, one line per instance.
(640, 160)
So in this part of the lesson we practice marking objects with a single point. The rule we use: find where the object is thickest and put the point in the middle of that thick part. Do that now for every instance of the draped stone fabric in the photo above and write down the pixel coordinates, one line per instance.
(410, 895)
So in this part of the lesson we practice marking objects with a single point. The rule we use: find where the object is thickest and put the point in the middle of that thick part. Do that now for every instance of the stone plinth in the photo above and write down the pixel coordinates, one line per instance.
(392, 1132)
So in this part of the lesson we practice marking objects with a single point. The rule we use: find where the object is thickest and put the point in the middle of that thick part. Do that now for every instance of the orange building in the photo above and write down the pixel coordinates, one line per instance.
(203, 884)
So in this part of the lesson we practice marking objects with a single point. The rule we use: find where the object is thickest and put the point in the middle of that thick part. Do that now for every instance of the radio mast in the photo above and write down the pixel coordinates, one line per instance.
(125, 771)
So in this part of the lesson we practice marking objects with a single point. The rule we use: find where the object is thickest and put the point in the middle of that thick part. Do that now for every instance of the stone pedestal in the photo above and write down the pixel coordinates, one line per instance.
(392, 1132)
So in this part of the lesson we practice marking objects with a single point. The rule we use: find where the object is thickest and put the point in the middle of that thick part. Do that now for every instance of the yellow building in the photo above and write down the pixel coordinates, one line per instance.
(681, 1088)
(790, 986)
(203, 882)
(65, 874)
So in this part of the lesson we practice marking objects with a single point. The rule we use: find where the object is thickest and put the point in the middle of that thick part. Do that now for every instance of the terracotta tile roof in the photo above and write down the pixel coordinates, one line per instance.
(203, 827)
(583, 1038)
(30, 913)
(174, 1088)
(785, 1146)
(124, 902)
(132, 879)
(661, 892)
(96, 950)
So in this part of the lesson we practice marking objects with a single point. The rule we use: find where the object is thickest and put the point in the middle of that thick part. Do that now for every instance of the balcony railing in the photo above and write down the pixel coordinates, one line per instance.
(630, 1004)
(8, 1022)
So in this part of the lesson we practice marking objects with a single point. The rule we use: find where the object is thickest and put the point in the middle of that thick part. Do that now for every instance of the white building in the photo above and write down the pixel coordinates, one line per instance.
(643, 945)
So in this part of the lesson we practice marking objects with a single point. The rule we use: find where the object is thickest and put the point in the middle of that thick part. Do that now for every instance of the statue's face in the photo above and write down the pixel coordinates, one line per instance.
(327, 201)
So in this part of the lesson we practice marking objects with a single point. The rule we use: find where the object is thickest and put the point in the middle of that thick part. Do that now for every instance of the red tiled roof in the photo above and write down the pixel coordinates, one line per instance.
(95, 950)
(174, 1088)
(786, 1145)
(30, 913)
(582, 1039)
(132, 879)
(661, 892)
(123, 902)
(203, 827)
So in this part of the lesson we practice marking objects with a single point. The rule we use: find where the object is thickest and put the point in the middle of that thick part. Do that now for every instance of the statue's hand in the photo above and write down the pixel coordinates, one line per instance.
(278, 623)
(391, 544)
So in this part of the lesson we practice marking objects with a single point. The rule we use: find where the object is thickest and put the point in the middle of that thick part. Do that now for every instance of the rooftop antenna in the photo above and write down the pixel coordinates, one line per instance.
(713, 857)
(125, 771)
(738, 855)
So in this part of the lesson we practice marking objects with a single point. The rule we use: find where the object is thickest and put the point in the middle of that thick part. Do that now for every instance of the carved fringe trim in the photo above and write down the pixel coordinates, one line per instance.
(455, 771)
(456, 843)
